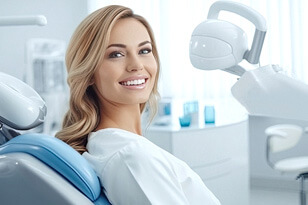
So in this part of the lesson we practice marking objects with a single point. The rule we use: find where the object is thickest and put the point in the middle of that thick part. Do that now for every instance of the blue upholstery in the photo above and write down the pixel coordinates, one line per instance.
(62, 158)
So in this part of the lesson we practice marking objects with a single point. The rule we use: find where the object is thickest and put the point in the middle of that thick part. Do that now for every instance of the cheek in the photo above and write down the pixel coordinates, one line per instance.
(103, 81)
(107, 73)
(153, 68)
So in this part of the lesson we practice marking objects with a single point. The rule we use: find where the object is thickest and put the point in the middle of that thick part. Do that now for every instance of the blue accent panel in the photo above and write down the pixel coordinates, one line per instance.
(59, 156)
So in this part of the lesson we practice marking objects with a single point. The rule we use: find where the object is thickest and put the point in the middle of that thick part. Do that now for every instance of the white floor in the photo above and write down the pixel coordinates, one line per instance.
(273, 197)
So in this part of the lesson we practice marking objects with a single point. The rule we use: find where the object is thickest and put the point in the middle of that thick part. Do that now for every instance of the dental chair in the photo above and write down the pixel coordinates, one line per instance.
(280, 138)
(36, 168)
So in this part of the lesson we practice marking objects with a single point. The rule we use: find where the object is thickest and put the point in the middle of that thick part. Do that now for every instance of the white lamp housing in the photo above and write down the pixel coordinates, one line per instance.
(21, 107)
(217, 44)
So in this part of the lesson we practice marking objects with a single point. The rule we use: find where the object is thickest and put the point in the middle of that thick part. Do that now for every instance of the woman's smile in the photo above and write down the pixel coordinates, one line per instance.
(134, 82)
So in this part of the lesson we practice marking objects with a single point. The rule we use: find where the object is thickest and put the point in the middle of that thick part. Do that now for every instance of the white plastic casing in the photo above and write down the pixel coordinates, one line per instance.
(20, 106)
(266, 92)
(217, 44)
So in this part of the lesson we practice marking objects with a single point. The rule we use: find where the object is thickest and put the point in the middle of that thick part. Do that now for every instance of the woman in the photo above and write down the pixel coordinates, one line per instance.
(113, 69)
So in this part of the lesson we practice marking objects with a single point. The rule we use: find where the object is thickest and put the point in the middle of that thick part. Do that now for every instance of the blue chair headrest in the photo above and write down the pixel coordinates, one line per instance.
(60, 157)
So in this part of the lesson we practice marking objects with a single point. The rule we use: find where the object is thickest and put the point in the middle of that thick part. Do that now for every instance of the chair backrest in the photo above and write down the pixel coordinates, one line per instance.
(283, 137)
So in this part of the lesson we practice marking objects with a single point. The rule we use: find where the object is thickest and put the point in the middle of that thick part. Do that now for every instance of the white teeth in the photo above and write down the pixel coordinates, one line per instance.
(133, 82)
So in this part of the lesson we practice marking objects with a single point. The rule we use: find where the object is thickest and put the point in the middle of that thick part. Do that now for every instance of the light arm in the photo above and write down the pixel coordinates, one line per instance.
(38, 20)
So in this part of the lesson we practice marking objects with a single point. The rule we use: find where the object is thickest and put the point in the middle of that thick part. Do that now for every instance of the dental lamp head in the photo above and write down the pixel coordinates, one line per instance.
(218, 44)
(21, 107)
(211, 48)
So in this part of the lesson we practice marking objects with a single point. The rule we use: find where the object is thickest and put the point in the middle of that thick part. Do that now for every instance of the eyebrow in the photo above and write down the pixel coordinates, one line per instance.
(124, 46)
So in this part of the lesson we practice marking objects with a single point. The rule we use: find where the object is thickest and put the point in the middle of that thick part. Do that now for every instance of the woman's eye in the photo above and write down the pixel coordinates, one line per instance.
(115, 54)
(145, 51)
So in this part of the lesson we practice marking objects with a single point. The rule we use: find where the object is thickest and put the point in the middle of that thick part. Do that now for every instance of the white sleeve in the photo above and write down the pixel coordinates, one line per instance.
(139, 175)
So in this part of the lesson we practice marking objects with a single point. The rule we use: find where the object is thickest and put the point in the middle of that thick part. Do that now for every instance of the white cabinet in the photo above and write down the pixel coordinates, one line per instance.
(219, 154)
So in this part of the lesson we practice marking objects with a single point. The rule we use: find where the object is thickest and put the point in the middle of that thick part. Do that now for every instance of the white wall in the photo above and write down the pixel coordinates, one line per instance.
(62, 17)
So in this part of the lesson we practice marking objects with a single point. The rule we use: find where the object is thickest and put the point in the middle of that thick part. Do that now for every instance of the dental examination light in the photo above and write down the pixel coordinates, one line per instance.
(24, 108)
(217, 44)
(264, 91)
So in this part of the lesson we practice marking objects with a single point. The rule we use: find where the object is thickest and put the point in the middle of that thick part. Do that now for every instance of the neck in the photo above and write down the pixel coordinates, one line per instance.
(126, 117)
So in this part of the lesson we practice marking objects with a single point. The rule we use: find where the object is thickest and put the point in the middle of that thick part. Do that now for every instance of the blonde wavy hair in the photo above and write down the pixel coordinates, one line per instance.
(84, 54)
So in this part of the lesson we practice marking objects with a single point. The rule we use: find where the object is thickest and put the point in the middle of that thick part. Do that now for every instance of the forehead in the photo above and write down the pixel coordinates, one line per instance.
(129, 30)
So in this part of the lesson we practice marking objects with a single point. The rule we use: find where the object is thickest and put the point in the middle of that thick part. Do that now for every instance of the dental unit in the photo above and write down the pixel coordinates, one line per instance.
(265, 92)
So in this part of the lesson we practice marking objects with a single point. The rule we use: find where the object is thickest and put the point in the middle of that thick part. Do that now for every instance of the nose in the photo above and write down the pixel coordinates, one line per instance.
(134, 63)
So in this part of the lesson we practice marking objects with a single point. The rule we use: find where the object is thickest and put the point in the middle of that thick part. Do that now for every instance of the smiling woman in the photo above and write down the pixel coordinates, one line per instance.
(113, 69)
(90, 54)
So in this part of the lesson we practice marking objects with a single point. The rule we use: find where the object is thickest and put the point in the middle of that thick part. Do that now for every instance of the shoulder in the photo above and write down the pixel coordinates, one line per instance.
(108, 141)
(126, 145)
(140, 150)
(115, 148)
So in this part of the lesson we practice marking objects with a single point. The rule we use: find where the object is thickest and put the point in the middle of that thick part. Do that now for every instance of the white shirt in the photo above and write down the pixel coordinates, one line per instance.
(135, 171)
